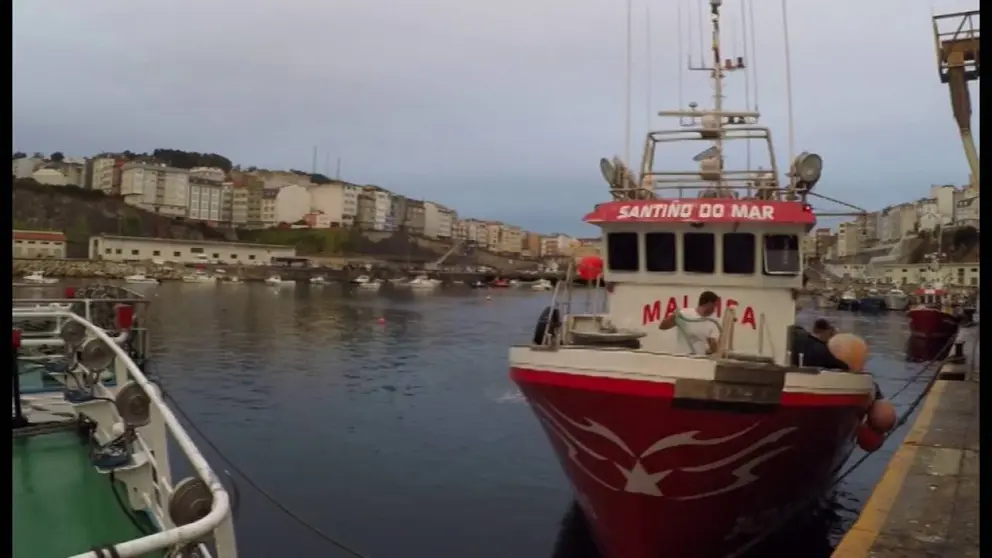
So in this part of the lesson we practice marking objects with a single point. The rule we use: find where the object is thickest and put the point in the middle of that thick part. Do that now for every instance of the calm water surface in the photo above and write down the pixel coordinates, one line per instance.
(403, 438)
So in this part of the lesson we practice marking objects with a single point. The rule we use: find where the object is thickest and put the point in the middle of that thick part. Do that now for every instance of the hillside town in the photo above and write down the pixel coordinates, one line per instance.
(261, 199)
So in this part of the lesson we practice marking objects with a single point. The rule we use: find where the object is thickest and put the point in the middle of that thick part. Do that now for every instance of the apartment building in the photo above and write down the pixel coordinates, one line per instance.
(156, 188)
(234, 204)
(438, 220)
(530, 245)
(902, 221)
(267, 207)
(848, 239)
(966, 212)
(49, 177)
(927, 214)
(472, 231)
(105, 175)
(213, 174)
(556, 244)
(39, 244)
(374, 209)
(206, 199)
(337, 202)
(414, 218)
(868, 225)
(944, 196)
(503, 238)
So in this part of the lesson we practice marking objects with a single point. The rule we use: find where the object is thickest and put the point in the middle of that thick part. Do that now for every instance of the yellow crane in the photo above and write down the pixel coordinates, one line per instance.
(956, 38)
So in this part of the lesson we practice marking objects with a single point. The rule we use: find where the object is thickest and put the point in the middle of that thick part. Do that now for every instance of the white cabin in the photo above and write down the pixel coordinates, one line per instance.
(660, 255)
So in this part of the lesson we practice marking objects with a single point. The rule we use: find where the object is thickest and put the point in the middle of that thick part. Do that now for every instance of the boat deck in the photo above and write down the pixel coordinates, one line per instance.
(61, 505)
(927, 502)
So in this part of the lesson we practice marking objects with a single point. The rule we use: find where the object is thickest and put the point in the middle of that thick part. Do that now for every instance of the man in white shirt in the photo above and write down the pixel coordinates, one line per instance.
(697, 332)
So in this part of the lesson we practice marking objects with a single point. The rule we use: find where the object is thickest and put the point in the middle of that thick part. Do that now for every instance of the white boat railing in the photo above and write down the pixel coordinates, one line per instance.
(149, 490)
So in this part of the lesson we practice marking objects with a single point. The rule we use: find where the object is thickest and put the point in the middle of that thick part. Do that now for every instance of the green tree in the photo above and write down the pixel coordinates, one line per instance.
(19, 155)
(57, 157)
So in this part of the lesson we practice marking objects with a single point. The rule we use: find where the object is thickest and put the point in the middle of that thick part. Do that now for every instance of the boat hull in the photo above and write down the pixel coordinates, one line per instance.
(654, 477)
(851, 304)
(897, 303)
(872, 305)
(931, 332)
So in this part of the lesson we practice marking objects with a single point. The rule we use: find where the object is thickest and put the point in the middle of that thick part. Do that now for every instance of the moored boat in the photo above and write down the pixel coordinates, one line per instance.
(199, 276)
(95, 417)
(140, 279)
(370, 285)
(542, 285)
(424, 283)
(872, 303)
(318, 280)
(896, 299)
(932, 325)
(672, 452)
(848, 300)
(277, 281)
(38, 278)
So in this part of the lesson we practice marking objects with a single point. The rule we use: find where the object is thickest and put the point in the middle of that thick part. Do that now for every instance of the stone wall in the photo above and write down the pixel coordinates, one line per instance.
(92, 269)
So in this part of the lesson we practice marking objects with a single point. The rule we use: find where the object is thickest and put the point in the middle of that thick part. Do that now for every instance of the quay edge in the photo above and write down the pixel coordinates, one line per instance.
(927, 501)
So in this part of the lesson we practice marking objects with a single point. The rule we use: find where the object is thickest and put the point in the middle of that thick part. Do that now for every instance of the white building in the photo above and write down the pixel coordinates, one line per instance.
(206, 199)
(943, 197)
(966, 212)
(39, 244)
(102, 169)
(848, 239)
(126, 248)
(379, 203)
(212, 174)
(439, 221)
(235, 204)
(556, 245)
(292, 203)
(337, 202)
(928, 216)
(156, 188)
(49, 177)
(25, 166)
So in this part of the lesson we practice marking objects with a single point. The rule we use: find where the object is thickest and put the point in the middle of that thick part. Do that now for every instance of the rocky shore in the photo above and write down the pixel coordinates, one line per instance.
(90, 269)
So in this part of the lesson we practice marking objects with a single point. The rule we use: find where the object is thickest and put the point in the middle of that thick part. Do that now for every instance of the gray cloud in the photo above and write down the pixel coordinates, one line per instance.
(498, 109)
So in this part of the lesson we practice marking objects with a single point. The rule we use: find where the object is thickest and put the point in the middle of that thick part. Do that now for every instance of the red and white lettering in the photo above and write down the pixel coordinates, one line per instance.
(652, 313)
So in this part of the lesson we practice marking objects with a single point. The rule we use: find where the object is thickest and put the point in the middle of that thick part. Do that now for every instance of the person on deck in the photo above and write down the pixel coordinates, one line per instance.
(697, 330)
(812, 348)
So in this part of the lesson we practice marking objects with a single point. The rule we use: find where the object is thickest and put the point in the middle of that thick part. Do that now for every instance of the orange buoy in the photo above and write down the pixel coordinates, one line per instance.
(869, 439)
(849, 348)
(882, 415)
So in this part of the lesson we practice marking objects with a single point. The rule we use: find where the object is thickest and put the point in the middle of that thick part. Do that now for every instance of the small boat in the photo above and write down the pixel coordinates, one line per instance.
(199, 277)
(896, 299)
(500, 284)
(826, 300)
(423, 282)
(38, 278)
(872, 303)
(932, 325)
(319, 280)
(370, 285)
(478, 284)
(848, 301)
(360, 280)
(542, 285)
(276, 281)
(140, 279)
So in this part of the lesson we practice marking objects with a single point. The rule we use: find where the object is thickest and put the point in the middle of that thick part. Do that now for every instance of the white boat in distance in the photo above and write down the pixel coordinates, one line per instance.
(542, 285)
(140, 279)
(199, 277)
(361, 280)
(896, 299)
(276, 280)
(370, 285)
(38, 278)
(423, 282)
(319, 280)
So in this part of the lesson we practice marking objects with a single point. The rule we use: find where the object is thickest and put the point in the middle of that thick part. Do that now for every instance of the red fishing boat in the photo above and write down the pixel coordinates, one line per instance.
(932, 325)
(676, 454)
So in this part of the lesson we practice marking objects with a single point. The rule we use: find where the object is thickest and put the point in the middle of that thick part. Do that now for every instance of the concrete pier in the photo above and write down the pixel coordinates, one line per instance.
(926, 503)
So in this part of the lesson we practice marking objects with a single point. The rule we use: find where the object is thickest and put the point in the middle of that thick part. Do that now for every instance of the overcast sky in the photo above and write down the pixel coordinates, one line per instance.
(499, 109)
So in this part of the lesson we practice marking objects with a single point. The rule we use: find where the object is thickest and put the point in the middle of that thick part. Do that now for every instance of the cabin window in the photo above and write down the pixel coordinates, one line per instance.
(698, 253)
(781, 254)
(738, 253)
(622, 252)
(659, 252)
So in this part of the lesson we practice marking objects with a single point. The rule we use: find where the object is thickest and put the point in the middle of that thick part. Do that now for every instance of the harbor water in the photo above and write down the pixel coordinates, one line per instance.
(387, 420)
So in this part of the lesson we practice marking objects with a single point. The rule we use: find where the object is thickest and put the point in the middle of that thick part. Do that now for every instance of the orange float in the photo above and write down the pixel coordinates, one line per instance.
(882, 415)
(590, 267)
(869, 439)
(851, 349)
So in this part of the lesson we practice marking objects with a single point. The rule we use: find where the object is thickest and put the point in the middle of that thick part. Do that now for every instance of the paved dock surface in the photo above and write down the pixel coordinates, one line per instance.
(926, 504)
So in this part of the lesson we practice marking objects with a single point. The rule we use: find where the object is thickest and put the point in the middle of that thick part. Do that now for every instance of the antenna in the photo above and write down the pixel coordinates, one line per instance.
(337, 173)
(630, 76)
(788, 78)
(313, 161)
